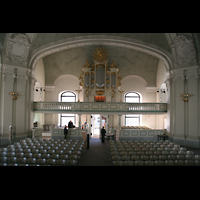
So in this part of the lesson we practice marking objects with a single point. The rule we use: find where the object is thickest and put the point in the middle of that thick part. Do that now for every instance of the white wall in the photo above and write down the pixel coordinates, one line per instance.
(63, 83)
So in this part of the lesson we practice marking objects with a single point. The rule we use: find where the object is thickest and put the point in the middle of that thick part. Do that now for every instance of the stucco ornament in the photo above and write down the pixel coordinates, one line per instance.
(18, 48)
(184, 50)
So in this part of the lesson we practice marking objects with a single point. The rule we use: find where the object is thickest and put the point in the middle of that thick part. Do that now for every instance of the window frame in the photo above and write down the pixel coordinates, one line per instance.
(136, 116)
(61, 100)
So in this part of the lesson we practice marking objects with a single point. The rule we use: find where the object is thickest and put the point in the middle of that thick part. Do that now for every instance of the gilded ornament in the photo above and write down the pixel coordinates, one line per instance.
(100, 55)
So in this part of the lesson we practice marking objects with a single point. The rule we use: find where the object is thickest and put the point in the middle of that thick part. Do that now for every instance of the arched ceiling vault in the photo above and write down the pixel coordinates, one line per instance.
(103, 40)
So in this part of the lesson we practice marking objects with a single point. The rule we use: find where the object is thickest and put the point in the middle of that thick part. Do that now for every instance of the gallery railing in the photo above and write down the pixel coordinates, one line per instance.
(100, 107)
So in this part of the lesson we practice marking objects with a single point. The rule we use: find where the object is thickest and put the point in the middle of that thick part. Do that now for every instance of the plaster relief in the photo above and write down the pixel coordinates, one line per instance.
(184, 50)
(18, 48)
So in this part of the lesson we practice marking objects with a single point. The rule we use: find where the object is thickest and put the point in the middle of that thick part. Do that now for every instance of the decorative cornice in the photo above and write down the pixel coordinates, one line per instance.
(192, 72)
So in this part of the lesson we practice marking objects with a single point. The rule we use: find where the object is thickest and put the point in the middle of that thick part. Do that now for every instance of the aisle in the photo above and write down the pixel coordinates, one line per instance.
(97, 154)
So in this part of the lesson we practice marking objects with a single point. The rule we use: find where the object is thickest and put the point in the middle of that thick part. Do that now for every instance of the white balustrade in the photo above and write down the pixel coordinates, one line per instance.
(104, 106)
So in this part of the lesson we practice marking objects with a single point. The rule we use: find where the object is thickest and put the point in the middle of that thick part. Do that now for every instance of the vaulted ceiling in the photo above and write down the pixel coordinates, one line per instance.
(66, 53)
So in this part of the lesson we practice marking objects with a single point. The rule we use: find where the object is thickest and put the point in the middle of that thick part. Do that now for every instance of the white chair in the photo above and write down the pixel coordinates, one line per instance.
(149, 163)
(37, 155)
(27, 150)
(159, 163)
(123, 153)
(152, 149)
(71, 162)
(3, 159)
(197, 162)
(132, 153)
(55, 156)
(189, 157)
(139, 163)
(128, 163)
(182, 149)
(153, 157)
(46, 156)
(22, 160)
(157, 153)
(64, 157)
(41, 161)
(180, 157)
(19, 155)
(127, 158)
(137, 149)
(171, 157)
(51, 151)
(162, 157)
(12, 160)
(134, 158)
(61, 162)
(35, 151)
(179, 163)
(3, 154)
(10, 154)
(73, 157)
(129, 149)
(197, 157)
(10, 149)
(173, 153)
(140, 153)
(31, 160)
(28, 155)
(165, 153)
(144, 149)
(189, 163)
(148, 153)
(3, 150)
(78, 153)
(144, 158)
(116, 158)
(181, 152)
(51, 161)
(189, 152)
(169, 163)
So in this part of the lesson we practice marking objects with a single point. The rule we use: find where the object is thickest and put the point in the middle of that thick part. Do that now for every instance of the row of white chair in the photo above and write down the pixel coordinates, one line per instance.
(128, 151)
(27, 154)
(39, 162)
(39, 154)
(153, 157)
(142, 141)
(156, 163)
(156, 153)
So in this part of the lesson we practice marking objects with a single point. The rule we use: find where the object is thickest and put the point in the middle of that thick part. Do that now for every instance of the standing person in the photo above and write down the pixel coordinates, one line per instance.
(103, 132)
(70, 124)
(65, 132)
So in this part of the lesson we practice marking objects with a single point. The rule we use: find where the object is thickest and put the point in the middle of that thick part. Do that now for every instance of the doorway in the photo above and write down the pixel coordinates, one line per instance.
(96, 126)
(97, 123)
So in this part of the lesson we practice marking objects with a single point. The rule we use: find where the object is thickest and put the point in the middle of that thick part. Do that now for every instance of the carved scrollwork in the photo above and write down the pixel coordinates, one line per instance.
(18, 48)
(184, 50)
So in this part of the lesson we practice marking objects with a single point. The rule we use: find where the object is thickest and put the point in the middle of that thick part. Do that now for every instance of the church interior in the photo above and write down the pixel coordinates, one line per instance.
(142, 88)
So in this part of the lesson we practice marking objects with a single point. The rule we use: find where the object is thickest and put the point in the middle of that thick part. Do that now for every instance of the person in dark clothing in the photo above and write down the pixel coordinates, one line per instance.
(70, 124)
(65, 132)
(103, 132)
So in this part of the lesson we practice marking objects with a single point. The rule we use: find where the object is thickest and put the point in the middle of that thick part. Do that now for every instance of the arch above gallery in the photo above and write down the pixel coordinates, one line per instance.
(103, 40)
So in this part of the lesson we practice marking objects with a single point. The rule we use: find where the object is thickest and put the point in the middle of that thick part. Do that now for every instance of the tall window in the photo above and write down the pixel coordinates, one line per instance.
(132, 120)
(65, 118)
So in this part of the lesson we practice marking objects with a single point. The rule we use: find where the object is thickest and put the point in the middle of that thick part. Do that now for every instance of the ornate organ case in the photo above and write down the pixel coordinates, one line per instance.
(101, 80)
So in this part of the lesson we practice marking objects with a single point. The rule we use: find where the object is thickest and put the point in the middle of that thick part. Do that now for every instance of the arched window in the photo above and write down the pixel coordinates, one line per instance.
(132, 120)
(65, 118)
